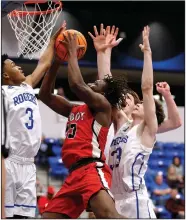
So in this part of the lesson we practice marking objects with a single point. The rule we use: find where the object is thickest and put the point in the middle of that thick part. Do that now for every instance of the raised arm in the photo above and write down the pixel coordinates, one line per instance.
(94, 100)
(173, 121)
(103, 43)
(151, 124)
(57, 103)
(45, 60)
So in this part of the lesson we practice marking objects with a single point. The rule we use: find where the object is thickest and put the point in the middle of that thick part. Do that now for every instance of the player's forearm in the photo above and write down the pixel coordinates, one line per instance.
(173, 114)
(43, 66)
(75, 78)
(47, 56)
(48, 83)
(147, 75)
(104, 63)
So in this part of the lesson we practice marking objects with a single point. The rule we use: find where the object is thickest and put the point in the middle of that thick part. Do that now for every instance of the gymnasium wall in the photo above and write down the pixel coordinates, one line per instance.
(54, 125)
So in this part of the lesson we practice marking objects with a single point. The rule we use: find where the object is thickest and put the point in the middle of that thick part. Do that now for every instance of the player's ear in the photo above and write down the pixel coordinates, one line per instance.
(5, 76)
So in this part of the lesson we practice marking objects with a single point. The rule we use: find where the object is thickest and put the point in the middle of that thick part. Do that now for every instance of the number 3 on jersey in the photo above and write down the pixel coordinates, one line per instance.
(71, 130)
(30, 124)
(116, 157)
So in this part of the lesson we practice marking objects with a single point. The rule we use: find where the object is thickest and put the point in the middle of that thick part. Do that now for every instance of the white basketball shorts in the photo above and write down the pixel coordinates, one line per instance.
(134, 205)
(20, 195)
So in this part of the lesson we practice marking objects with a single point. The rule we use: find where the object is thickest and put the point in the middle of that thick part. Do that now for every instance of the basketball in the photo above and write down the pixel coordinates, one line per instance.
(61, 50)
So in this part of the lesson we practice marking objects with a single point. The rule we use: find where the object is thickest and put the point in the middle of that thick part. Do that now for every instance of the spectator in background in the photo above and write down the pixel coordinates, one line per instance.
(39, 187)
(176, 205)
(173, 179)
(43, 200)
(176, 163)
(160, 190)
(41, 157)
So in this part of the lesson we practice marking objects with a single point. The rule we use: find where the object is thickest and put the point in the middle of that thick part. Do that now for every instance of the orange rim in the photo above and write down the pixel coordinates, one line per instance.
(24, 13)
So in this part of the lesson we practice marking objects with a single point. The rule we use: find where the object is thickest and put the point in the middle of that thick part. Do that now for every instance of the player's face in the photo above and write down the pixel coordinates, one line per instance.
(138, 111)
(130, 105)
(13, 72)
(98, 86)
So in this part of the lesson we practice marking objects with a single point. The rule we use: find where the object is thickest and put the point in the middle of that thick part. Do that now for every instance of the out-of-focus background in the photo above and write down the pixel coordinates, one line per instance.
(167, 38)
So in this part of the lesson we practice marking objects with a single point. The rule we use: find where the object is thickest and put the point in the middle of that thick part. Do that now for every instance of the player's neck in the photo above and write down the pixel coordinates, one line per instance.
(10, 83)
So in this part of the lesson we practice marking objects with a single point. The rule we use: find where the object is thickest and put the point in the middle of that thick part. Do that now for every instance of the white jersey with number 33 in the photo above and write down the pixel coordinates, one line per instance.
(23, 120)
(128, 160)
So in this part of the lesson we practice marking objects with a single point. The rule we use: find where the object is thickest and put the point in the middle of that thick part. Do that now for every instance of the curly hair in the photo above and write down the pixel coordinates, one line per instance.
(116, 90)
(159, 112)
(3, 58)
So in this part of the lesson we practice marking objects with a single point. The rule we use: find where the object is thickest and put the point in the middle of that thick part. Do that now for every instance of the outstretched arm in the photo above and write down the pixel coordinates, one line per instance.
(151, 124)
(45, 61)
(55, 102)
(103, 43)
(173, 121)
(94, 100)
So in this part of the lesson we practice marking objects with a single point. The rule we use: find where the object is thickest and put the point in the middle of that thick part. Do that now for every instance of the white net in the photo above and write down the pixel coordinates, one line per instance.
(33, 29)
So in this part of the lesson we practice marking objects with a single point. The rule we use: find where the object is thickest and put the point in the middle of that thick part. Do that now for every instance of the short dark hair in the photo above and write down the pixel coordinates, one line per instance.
(159, 111)
(3, 58)
(116, 90)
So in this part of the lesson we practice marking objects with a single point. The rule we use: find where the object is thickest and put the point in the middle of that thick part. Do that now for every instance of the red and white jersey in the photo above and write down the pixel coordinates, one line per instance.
(85, 137)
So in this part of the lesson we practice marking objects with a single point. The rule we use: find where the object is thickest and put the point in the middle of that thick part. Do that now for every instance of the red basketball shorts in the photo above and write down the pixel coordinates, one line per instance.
(72, 199)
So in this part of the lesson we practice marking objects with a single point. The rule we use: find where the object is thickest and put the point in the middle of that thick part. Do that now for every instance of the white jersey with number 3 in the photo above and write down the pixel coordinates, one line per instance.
(128, 160)
(23, 120)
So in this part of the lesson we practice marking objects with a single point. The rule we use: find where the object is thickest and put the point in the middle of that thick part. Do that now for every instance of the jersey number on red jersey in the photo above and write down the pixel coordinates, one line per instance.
(71, 131)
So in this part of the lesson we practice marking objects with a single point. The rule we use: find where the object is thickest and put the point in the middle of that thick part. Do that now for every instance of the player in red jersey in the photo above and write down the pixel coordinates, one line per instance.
(88, 183)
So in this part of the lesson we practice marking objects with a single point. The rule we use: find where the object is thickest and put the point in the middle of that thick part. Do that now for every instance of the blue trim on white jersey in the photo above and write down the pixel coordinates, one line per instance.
(9, 206)
(140, 154)
(148, 208)
(27, 206)
(137, 204)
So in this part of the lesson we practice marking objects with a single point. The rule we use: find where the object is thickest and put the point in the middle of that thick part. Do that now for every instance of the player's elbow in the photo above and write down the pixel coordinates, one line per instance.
(178, 123)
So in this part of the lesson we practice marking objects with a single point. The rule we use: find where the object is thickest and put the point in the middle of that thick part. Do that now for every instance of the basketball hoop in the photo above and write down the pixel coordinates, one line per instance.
(33, 28)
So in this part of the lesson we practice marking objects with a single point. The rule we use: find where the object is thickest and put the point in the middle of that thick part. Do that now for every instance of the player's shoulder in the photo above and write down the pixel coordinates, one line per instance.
(7, 90)
(6, 87)
(26, 85)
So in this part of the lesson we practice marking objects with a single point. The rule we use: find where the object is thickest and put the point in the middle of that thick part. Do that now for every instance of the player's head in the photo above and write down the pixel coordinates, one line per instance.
(132, 99)
(139, 111)
(113, 88)
(10, 73)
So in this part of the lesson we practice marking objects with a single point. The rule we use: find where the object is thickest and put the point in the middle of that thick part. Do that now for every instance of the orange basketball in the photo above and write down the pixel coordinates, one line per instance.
(61, 50)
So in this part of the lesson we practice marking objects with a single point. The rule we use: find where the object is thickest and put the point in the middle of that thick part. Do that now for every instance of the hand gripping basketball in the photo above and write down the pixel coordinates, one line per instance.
(70, 42)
